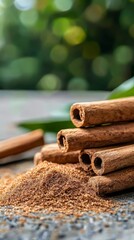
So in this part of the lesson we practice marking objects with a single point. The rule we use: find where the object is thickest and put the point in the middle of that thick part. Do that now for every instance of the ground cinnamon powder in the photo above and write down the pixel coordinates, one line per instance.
(52, 187)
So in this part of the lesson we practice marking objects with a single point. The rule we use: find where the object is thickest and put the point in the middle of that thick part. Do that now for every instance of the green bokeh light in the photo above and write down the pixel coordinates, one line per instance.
(100, 66)
(87, 40)
(75, 35)
(5, 3)
(94, 12)
(127, 16)
(60, 26)
(77, 83)
(59, 53)
(115, 4)
(11, 52)
(77, 67)
(29, 18)
(24, 5)
(63, 5)
(123, 54)
(19, 73)
(49, 82)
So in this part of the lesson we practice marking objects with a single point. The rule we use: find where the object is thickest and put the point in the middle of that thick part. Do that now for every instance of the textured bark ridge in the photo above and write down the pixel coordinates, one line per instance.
(110, 160)
(113, 182)
(99, 112)
(76, 139)
(21, 143)
(52, 153)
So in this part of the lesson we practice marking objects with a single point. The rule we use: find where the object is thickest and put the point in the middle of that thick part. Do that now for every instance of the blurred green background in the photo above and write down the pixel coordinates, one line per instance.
(66, 44)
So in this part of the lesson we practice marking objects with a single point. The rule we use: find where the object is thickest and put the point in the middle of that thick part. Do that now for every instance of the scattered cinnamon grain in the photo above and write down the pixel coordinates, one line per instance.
(53, 187)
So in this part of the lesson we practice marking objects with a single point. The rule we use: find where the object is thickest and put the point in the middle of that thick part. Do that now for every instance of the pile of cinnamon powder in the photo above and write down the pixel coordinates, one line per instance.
(52, 187)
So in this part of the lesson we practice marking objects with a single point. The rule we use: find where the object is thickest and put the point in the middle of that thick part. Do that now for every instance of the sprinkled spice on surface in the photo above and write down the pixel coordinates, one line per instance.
(53, 187)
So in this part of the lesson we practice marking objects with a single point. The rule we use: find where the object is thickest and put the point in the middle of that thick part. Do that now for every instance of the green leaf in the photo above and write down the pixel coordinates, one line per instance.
(126, 89)
(51, 125)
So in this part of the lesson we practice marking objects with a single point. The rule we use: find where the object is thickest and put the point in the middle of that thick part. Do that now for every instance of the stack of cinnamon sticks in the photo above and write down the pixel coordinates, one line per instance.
(102, 142)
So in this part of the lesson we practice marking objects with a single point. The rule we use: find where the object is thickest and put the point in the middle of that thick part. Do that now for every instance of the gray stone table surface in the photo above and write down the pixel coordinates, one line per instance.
(26, 105)
(16, 106)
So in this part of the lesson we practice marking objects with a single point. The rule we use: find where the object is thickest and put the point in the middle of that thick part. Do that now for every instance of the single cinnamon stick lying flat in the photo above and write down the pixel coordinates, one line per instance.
(21, 143)
(75, 139)
(113, 182)
(52, 153)
(108, 111)
(109, 160)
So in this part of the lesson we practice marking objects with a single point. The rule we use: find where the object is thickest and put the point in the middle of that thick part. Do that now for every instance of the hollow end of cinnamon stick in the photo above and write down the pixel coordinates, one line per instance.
(95, 137)
(77, 115)
(86, 114)
(62, 142)
(110, 160)
(85, 161)
(97, 165)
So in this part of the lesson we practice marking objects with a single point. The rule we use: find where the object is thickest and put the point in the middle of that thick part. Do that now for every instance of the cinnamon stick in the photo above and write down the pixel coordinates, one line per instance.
(86, 155)
(75, 139)
(21, 143)
(113, 182)
(52, 153)
(109, 160)
(99, 112)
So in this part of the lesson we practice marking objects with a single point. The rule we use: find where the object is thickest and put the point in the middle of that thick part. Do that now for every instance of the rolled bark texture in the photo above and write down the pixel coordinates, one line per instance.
(113, 182)
(109, 160)
(85, 156)
(52, 153)
(99, 112)
(21, 143)
(78, 138)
